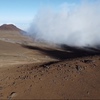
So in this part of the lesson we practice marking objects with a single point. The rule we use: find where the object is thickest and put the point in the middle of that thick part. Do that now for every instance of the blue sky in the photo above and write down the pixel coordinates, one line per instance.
(22, 12)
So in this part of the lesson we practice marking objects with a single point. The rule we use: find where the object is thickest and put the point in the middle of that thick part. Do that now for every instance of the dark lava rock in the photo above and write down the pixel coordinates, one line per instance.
(87, 61)
(79, 68)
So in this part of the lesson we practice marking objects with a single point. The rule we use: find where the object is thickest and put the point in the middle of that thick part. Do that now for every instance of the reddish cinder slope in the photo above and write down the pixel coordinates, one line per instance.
(11, 33)
(9, 27)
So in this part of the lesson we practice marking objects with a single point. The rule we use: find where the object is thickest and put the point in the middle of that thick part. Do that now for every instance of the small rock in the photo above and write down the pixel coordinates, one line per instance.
(1, 95)
(65, 65)
(65, 78)
(35, 76)
(54, 81)
(87, 92)
(41, 87)
(69, 66)
(94, 65)
(68, 70)
(78, 67)
(87, 61)
(30, 72)
(11, 95)
(41, 74)
(46, 66)
(40, 79)
(1, 88)
(75, 76)
(13, 83)
(59, 66)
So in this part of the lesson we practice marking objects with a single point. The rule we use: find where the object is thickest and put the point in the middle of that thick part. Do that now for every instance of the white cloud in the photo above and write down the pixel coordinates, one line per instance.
(73, 25)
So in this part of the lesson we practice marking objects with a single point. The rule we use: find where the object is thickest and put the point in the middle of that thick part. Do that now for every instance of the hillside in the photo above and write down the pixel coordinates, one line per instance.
(11, 33)
(34, 70)
(9, 27)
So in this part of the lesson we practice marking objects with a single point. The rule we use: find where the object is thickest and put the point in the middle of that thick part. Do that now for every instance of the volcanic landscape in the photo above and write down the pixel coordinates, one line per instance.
(31, 69)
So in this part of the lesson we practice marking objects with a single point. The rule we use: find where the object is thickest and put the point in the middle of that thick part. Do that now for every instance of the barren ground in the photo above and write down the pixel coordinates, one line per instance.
(40, 71)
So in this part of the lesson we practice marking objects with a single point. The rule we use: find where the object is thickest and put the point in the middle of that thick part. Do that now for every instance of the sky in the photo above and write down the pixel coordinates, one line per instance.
(22, 12)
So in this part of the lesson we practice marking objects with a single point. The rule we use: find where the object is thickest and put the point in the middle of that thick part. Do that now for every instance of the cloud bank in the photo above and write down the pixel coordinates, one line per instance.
(72, 24)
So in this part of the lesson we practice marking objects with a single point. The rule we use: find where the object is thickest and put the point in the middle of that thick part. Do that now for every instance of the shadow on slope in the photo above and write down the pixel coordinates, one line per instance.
(66, 52)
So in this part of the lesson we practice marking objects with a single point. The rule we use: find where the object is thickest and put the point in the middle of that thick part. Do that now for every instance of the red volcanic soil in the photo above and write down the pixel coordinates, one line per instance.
(9, 27)
(11, 33)
(29, 72)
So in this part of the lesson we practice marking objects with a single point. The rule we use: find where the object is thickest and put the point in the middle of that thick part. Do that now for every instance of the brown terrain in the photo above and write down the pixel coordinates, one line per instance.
(9, 27)
(33, 70)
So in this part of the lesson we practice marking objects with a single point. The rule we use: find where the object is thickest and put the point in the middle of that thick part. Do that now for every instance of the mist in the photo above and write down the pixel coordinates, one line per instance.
(71, 24)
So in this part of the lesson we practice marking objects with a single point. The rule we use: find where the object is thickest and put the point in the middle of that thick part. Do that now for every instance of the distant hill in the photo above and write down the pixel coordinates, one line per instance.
(9, 27)
(11, 33)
